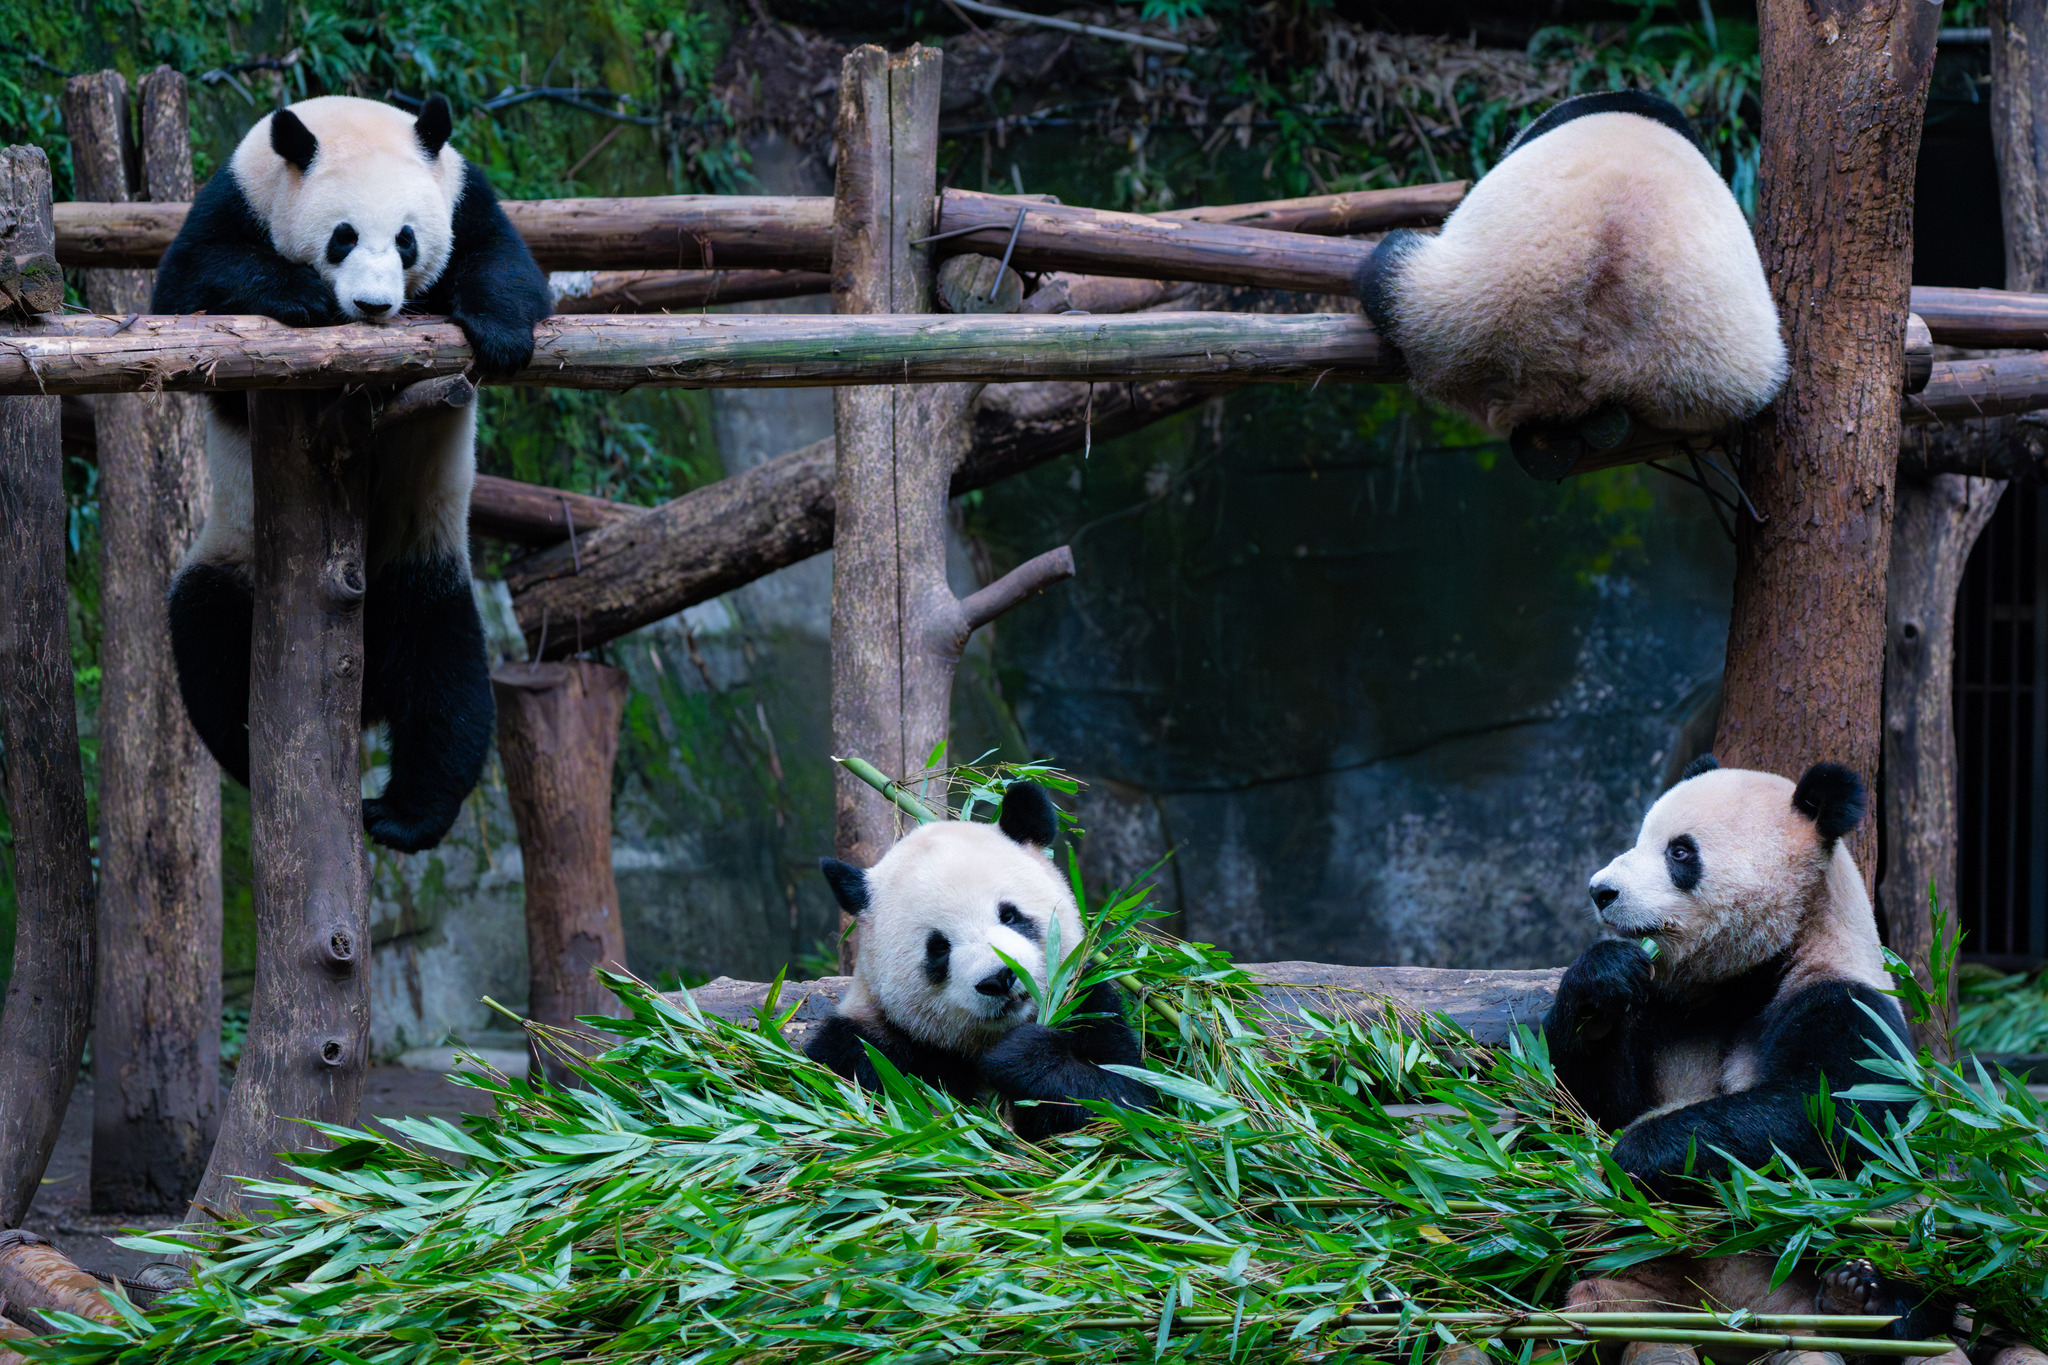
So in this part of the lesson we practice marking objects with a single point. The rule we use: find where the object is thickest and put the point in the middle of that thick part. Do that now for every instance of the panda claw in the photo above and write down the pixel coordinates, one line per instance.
(1853, 1287)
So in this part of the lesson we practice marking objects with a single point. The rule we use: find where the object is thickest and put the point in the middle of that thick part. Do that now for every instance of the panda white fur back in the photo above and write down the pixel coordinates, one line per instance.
(931, 994)
(337, 210)
(1601, 262)
(1763, 993)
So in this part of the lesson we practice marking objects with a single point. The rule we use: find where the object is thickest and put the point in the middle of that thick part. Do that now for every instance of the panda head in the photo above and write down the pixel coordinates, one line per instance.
(937, 907)
(362, 192)
(1734, 868)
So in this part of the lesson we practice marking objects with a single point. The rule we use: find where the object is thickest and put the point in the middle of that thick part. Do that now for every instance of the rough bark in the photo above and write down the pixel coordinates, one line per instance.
(2014, 449)
(49, 993)
(309, 1017)
(707, 232)
(37, 1279)
(558, 734)
(1937, 522)
(86, 354)
(1096, 241)
(650, 565)
(2019, 136)
(156, 1031)
(528, 514)
(1844, 90)
(651, 291)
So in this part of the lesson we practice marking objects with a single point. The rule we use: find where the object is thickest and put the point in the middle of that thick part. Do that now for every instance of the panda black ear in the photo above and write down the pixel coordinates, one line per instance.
(292, 139)
(436, 123)
(1832, 797)
(1029, 816)
(849, 884)
(1705, 763)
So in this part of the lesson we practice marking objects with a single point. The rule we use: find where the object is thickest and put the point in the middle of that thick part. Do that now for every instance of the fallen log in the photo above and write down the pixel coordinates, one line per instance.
(725, 535)
(37, 1279)
(734, 230)
(88, 354)
(1098, 242)
(529, 514)
(1487, 1004)
(651, 291)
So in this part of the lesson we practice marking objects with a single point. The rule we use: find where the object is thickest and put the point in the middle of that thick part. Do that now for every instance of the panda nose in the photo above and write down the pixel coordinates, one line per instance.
(997, 982)
(372, 308)
(1604, 896)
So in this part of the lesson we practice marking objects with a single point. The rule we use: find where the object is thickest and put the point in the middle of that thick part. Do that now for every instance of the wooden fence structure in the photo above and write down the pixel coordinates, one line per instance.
(903, 374)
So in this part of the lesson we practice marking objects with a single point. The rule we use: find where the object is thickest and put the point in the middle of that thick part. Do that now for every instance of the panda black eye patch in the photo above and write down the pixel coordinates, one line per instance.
(938, 957)
(1010, 917)
(408, 246)
(341, 243)
(1682, 860)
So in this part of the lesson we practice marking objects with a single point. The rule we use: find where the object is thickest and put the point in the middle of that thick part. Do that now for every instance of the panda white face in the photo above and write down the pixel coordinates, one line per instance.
(1734, 867)
(938, 907)
(360, 191)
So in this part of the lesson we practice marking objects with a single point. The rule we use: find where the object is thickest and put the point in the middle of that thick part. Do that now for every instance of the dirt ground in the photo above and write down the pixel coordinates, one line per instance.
(63, 1209)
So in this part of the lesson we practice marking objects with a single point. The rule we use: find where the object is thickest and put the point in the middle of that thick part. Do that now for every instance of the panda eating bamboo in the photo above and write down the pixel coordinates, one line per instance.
(933, 998)
(347, 210)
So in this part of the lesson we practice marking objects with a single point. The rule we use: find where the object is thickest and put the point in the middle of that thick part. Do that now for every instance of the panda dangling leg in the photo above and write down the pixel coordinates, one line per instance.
(425, 672)
(212, 603)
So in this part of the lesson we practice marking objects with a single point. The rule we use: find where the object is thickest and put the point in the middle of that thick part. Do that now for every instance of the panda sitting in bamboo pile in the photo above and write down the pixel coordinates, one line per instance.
(347, 210)
(933, 999)
(1754, 1004)
(1600, 278)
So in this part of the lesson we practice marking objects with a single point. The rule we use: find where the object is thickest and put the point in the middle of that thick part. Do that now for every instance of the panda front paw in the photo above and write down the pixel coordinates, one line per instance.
(501, 349)
(1025, 1062)
(308, 301)
(1610, 977)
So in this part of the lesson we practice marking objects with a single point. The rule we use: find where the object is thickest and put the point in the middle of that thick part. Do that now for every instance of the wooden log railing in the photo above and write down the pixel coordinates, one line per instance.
(722, 231)
(63, 355)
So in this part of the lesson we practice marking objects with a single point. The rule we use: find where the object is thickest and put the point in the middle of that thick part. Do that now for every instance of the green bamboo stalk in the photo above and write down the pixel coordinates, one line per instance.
(1760, 1342)
(1846, 1324)
(874, 777)
(1891, 1226)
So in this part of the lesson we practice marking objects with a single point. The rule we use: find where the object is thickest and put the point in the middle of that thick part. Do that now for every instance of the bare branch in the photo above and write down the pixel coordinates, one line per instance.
(1031, 577)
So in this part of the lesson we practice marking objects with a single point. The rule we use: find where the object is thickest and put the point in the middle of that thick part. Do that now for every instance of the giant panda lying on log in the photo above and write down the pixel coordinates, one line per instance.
(930, 995)
(1755, 1003)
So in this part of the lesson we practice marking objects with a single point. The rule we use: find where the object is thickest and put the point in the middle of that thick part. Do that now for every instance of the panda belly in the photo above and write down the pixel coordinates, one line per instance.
(425, 674)
(1697, 1070)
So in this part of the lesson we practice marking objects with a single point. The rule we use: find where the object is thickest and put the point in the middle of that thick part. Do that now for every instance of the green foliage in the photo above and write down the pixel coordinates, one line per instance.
(2001, 1012)
(711, 1195)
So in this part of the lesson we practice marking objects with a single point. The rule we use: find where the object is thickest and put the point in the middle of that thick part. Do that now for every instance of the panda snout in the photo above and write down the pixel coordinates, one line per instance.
(1603, 896)
(372, 308)
(997, 983)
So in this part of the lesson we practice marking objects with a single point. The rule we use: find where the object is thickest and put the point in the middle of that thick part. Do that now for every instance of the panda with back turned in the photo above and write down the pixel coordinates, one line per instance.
(932, 997)
(1599, 276)
(1760, 997)
(347, 210)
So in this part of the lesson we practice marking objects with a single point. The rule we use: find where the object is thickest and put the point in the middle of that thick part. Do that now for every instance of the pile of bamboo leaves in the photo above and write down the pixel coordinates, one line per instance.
(1313, 1183)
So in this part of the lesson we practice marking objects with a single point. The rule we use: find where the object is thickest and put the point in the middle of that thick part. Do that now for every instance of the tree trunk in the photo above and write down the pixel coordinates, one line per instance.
(2019, 135)
(558, 734)
(156, 1021)
(49, 993)
(897, 448)
(309, 1016)
(1844, 90)
(1938, 521)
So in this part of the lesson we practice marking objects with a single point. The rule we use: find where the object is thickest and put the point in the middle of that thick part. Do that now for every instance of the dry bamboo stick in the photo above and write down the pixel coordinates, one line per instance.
(60, 355)
(1338, 215)
(651, 291)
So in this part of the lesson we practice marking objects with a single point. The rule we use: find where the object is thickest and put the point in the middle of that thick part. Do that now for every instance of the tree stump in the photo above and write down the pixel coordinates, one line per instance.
(1844, 90)
(156, 1030)
(309, 1016)
(49, 994)
(558, 734)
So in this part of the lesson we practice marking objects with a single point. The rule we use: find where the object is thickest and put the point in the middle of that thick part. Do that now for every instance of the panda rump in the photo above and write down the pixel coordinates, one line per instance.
(338, 210)
(931, 997)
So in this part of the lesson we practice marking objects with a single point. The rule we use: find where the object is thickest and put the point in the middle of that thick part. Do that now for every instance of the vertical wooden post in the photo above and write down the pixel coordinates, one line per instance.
(49, 994)
(156, 1018)
(1844, 91)
(558, 735)
(309, 1016)
(897, 629)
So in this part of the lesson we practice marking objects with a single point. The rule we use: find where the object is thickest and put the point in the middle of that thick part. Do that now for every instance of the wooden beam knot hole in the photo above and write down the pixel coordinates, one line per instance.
(343, 584)
(333, 1052)
(338, 951)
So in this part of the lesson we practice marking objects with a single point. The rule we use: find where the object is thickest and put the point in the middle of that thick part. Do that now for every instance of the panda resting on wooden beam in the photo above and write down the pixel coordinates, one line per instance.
(930, 995)
(1754, 1004)
(347, 210)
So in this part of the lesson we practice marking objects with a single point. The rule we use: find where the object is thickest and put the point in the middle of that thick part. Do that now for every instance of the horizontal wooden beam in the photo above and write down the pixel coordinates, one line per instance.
(1098, 242)
(654, 291)
(674, 232)
(202, 354)
(1983, 317)
(1990, 387)
(529, 514)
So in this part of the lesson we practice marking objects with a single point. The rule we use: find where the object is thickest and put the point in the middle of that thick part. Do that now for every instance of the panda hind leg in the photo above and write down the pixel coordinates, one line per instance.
(427, 678)
(212, 612)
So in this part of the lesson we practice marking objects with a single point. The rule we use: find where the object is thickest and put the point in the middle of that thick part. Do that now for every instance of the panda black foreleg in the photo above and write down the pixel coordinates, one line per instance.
(427, 678)
(1049, 1065)
(842, 1043)
(212, 612)
(1597, 1032)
